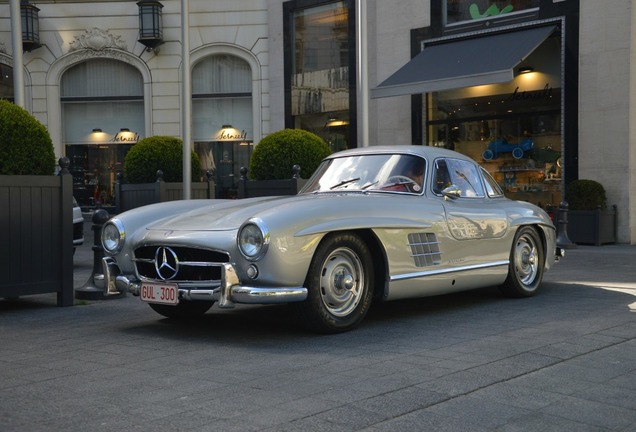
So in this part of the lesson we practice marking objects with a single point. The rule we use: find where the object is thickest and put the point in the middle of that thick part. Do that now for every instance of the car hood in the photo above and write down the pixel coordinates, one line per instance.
(221, 215)
(313, 209)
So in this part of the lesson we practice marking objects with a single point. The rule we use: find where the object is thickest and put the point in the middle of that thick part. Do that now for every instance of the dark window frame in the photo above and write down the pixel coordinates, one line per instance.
(289, 7)
(568, 12)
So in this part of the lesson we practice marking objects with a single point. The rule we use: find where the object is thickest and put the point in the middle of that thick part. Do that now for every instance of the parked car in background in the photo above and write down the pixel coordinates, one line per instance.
(376, 223)
(78, 225)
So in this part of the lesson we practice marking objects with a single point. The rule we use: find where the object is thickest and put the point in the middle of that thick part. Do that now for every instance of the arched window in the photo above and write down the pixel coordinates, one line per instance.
(102, 118)
(222, 118)
(6, 82)
(221, 95)
(101, 93)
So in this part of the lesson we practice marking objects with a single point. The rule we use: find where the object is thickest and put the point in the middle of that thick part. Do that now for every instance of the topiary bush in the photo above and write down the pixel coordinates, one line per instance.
(585, 195)
(155, 153)
(25, 144)
(276, 154)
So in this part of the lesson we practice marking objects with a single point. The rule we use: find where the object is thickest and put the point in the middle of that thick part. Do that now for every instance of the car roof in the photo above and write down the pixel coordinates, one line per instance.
(427, 152)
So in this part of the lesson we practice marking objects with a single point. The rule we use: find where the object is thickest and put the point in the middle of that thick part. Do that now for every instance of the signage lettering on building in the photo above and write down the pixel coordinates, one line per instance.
(125, 137)
(231, 135)
(518, 95)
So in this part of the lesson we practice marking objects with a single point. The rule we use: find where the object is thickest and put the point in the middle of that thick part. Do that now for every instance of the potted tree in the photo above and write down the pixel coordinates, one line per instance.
(282, 162)
(153, 172)
(36, 210)
(589, 220)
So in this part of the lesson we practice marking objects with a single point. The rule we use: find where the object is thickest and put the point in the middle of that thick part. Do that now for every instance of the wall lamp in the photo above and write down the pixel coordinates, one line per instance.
(30, 26)
(334, 122)
(97, 130)
(150, 24)
(525, 70)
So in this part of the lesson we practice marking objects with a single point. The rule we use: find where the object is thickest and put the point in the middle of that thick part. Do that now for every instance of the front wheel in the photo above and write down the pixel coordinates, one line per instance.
(527, 263)
(185, 309)
(339, 283)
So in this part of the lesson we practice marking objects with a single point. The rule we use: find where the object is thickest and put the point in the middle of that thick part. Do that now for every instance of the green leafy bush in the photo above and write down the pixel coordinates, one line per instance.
(276, 154)
(585, 195)
(25, 144)
(155, 153)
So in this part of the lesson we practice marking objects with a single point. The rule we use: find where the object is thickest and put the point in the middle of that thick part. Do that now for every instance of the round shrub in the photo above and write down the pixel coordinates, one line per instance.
(155, 153)
(585, 195)
(25, 144)
(277, 153)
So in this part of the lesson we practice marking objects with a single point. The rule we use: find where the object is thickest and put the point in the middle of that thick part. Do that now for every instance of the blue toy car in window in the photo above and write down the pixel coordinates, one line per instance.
(496, 147)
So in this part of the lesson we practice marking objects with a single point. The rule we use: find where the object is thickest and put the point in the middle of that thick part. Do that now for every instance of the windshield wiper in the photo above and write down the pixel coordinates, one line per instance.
(344, 182)
(365, 187)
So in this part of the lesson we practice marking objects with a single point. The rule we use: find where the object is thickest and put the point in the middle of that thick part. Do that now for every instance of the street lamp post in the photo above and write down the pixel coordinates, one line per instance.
(16, 46)
(186, 92)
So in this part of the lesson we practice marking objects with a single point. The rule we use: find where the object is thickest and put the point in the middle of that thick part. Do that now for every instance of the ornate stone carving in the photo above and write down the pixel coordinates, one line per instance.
(97, 39)
(3, 48)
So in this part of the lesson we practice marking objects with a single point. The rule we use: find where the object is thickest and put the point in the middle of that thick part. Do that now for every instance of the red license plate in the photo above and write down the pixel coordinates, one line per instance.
(163, 293)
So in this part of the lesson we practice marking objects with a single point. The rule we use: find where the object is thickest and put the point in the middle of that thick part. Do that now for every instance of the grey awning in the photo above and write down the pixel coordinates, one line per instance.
(463, 63)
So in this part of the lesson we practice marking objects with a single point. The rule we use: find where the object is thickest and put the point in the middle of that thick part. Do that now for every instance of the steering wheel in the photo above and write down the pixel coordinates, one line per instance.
(399, 179)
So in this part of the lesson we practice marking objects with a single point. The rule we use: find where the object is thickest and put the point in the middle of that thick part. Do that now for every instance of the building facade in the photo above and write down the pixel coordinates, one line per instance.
(538, 91)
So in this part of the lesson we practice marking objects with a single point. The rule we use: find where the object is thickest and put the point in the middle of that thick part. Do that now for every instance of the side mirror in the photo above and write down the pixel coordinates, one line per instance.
(453, 192)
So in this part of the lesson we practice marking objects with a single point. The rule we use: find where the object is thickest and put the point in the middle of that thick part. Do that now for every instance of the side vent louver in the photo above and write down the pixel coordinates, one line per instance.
(425, 249)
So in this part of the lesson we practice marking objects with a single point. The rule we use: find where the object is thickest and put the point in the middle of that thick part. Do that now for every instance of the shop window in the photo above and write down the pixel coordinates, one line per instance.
(319, 50)
(467, 11)
(512, 129)
(103, 116)
(222, 120)
(6, 82)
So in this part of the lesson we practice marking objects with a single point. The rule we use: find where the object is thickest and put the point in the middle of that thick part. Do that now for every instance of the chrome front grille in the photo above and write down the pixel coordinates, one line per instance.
(425, 249)
(179, 264)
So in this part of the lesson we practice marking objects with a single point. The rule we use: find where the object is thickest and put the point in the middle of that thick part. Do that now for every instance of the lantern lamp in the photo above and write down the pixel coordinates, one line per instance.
(30, 26)
(150, 24)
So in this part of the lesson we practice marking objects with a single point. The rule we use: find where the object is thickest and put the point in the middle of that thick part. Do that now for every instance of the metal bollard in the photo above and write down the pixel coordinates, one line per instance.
(93, 289)
(562, 239)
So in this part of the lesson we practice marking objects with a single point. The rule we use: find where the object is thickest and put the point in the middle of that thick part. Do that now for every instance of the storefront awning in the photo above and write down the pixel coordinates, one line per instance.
(463, 63)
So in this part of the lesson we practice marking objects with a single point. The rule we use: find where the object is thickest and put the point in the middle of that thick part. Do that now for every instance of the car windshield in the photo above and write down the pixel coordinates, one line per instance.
(382, 172)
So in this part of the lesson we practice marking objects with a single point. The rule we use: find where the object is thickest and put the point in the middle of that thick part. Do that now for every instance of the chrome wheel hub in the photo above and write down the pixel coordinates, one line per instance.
(341, 282)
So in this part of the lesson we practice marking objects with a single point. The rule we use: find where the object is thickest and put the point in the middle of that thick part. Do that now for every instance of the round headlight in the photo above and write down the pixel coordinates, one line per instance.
(253, 239)
(113, 236)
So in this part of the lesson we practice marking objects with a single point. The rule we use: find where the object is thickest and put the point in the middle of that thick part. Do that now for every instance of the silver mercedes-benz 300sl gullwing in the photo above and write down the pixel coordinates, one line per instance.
(371, 224)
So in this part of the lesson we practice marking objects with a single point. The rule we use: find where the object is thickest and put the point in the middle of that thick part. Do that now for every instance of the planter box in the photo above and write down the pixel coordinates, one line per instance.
(130, 196)
(594, 227)
(36, 215)
(260, 188)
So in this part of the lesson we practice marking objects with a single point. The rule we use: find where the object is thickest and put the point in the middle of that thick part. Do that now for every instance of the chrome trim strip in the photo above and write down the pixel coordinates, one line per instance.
(252, 295)
(448, 270)
(229, 279)
(230, 292)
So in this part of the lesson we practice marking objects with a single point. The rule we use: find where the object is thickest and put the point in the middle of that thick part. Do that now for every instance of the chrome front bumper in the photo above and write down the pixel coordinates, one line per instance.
(230, 292)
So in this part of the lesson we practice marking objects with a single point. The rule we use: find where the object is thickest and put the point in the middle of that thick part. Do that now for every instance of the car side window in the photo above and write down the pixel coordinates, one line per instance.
(460, 173)
(441, 177)
(492, 187)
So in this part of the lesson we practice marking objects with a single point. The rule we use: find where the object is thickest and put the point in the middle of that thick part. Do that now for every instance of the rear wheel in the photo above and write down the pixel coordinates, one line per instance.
(527, 263)
(185, 309)
(339, 283)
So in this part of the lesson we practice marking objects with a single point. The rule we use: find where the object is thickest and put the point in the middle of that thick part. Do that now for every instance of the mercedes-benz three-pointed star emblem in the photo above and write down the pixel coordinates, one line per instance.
(166, 263)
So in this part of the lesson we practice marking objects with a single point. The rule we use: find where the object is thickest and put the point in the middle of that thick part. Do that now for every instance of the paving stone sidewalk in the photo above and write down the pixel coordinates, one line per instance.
(564, 360)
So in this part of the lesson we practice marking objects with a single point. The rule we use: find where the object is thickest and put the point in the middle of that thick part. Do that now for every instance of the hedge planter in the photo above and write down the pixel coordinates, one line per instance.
(37, 246)
(592, 227)
(130, 196)
(260, 188)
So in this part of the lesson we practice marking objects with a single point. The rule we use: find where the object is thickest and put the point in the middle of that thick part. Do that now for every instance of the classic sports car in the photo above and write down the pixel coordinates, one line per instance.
(376, 223)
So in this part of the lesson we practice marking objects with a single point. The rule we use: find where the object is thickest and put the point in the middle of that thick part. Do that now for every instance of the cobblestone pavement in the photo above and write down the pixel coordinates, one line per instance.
(564, 360)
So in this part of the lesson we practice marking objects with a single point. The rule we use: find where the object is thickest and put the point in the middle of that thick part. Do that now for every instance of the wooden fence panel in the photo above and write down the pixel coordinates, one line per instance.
(36, 255)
